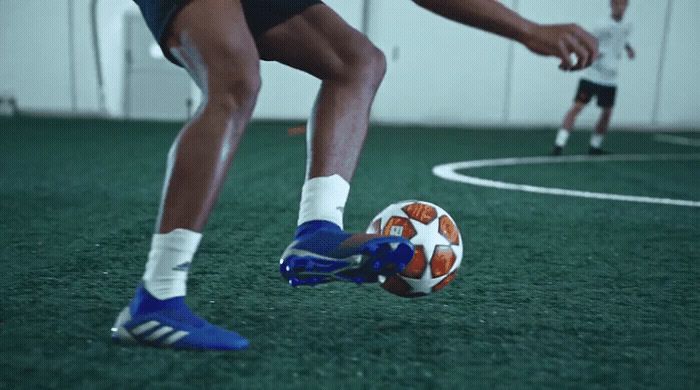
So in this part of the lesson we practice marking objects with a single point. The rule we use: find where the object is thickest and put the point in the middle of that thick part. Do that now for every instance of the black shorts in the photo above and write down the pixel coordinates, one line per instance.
(261, 15)
(604, 93)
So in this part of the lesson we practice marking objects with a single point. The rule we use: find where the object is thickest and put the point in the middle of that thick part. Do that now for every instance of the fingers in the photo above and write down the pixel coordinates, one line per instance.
(582, 55)
(581, 43)
(563, 40)
(565, 56)
(588, 41)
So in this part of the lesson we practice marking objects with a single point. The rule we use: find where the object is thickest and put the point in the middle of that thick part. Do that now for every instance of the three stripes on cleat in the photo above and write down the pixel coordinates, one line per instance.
(150, 332)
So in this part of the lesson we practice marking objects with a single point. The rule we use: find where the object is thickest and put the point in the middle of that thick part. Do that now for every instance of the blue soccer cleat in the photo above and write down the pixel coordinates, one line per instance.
(170, 324)
(322, 253)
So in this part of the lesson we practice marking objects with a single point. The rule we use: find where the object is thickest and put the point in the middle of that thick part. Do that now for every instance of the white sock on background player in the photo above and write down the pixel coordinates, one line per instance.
(324, 198)
(169, 263)
(562, 137)
(596, 140)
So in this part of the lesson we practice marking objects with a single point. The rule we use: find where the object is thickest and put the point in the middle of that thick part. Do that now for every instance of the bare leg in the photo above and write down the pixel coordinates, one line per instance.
(319, 42)
(570, 117)
(211, 38)
(221, 56)
(604, 121)
(601, 129)
(566, 127)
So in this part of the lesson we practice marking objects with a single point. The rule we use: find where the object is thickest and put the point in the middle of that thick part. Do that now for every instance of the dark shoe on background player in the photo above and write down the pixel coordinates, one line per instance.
(322, 253)
(557, 151)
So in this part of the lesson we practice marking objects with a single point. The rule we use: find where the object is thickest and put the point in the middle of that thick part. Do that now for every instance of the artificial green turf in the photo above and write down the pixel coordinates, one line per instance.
(553, 292)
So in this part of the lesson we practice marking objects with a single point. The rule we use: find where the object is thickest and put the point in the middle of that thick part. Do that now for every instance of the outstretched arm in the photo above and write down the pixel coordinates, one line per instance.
(549, 40)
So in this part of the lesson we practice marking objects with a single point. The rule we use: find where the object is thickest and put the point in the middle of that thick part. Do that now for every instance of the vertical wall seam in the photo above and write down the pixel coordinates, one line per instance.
(127, 72)
(96, 50)
(662, 64)
(71, 58)
(509, 73)
(365, 17)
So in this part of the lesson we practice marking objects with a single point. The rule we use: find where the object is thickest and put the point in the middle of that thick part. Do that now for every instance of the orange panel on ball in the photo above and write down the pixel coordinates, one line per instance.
(416, 266)
(443, 260)
(449, 230)
(399, 226)
(421, 212)
(396, 285)
(445, 282)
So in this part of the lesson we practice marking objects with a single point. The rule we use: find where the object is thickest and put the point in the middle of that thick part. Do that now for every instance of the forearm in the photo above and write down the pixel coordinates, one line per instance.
(487, 15)
(559, 40)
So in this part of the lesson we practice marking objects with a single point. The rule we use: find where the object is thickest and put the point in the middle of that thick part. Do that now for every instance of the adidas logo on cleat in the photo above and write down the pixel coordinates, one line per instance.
(184, 267)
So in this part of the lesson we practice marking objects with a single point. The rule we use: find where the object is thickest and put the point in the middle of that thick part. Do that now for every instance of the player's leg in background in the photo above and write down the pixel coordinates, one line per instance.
(567, 126)
(584, 93)
(570, 118)
(211, 39)
(601, 129)
(606, 102)
(350, 68)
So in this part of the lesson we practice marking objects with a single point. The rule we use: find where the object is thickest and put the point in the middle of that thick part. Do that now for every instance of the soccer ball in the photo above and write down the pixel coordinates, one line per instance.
(438, 245)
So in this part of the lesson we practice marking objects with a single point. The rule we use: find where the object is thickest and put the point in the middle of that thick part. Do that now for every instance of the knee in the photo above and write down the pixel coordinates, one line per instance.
(366, 64)
(234, 90)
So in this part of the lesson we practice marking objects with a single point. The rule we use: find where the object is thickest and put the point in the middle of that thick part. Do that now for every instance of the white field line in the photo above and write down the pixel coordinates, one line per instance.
(677, 140)
(448, 172)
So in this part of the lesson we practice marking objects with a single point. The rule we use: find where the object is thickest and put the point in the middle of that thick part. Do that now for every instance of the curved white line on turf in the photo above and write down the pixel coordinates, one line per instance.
(448, 172)
(677, 140)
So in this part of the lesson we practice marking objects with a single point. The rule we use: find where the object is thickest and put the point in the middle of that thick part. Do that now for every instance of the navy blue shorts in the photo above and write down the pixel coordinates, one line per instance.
(261, 15)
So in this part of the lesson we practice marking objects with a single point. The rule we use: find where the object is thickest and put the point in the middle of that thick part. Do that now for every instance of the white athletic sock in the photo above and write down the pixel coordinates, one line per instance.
(562, 137)
(323, 198)
(596, 140)
(169, 262)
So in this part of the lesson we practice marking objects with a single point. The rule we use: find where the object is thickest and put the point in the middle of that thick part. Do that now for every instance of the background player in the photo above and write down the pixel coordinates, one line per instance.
(220, 43)
(600, 80)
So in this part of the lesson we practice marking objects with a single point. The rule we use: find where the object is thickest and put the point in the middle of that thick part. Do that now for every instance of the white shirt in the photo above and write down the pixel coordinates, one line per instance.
(612, 38)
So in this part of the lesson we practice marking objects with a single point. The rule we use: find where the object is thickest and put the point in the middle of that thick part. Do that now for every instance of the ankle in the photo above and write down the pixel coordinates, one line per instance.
(313, 226)
(145, 302)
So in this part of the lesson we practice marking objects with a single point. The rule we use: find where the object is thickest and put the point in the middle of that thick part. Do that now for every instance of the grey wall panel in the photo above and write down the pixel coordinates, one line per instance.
(439, 72)
(679, 100)
(35, 59)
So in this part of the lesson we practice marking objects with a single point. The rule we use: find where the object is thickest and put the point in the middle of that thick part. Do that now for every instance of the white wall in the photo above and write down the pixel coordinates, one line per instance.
(110, 16)
(35, 61)
(680, 89)
(439, 72)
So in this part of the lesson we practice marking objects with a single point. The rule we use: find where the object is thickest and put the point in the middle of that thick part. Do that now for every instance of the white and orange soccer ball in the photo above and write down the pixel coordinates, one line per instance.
(438, 245)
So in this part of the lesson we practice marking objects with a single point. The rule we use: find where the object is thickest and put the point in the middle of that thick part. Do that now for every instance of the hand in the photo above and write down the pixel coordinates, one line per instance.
(561, 41)
(631, 54)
